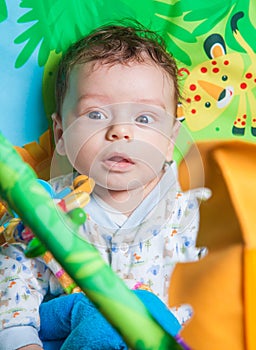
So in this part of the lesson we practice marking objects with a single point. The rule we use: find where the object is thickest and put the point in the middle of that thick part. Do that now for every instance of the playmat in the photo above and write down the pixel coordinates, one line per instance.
(215, 48)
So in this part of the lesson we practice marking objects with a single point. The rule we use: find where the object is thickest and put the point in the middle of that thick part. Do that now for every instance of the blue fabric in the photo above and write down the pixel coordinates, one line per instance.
(73, 322)
(159, 311)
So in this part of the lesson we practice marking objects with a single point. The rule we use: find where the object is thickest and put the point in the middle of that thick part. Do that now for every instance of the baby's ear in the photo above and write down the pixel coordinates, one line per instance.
(58, 134)
(175, 131)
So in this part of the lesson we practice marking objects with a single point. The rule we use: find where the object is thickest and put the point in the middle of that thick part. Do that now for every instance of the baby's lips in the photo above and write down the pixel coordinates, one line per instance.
(118, 158)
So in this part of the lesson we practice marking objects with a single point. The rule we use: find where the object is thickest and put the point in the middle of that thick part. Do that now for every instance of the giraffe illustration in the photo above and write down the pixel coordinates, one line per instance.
(223, 85)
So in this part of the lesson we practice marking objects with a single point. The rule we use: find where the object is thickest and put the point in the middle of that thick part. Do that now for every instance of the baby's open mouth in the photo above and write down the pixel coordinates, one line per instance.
(118, 161)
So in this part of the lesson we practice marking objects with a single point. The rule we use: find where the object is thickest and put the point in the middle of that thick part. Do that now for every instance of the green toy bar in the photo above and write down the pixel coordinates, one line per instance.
(22, 192)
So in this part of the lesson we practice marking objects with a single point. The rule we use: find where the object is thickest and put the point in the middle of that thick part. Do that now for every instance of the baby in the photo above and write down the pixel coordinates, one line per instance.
(116, 100)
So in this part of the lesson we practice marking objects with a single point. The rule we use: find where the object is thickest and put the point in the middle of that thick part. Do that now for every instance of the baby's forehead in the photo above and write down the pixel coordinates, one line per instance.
(97, 66)
(117, 83)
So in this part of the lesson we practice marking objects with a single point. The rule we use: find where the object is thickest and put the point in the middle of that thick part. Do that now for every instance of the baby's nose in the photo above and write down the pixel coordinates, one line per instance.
(119, 132)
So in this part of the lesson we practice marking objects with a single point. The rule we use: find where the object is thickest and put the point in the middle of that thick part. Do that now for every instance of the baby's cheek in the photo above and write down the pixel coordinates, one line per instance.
(87, 160)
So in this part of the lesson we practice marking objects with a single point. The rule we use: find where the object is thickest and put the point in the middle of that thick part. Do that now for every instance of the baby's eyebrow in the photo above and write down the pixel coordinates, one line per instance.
(93, 97)
(150, 102)
(105, 99)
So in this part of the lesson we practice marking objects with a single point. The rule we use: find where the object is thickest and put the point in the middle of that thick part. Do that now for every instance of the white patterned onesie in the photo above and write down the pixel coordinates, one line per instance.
(142, 249)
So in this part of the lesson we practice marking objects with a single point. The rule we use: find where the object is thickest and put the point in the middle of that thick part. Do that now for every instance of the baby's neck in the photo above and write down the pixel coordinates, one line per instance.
(126, 201)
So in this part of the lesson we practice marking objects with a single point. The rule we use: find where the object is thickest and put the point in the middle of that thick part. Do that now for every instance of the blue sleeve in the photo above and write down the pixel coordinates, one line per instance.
(16, 337)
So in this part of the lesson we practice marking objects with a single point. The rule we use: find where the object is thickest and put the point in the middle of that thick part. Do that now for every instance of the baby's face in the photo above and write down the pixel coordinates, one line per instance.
(117, 123)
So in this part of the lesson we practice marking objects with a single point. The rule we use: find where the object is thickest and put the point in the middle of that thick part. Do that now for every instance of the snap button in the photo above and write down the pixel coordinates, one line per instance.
(124, 247)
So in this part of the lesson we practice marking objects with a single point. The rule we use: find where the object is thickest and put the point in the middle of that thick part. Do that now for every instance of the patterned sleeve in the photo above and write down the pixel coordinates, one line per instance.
(23, 284)
(186, 225)
(182, 243)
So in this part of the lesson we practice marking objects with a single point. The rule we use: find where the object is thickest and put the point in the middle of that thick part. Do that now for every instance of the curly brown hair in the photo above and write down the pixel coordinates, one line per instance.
(113, 44)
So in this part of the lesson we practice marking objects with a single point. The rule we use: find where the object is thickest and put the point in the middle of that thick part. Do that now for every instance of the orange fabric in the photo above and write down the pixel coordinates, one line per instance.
(237, 161)
(222, 287)
(38, 155)
(213, 287)
(250, 295)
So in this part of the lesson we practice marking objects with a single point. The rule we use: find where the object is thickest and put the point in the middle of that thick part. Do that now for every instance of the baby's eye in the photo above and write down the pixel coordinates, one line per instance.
(96, 115)
(144, 119)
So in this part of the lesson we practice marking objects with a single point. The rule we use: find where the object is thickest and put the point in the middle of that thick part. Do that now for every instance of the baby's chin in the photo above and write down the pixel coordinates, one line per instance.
(121, 187)
(124, 200)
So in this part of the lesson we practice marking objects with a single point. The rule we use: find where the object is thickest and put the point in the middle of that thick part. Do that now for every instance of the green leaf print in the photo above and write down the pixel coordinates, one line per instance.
(55, 25)
(39, 32)
(3, 11)
(196, 22)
